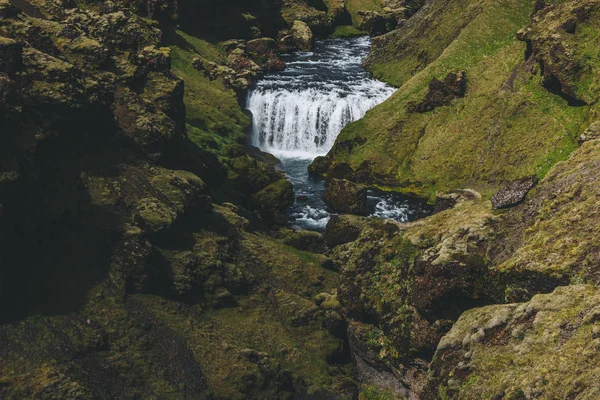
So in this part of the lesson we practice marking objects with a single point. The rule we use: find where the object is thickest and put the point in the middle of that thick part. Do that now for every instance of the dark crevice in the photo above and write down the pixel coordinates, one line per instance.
(553, 85)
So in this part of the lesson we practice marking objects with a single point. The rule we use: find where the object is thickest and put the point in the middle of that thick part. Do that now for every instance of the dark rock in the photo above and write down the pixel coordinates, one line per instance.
(262, 156)
(302, 198)
(343, 229)
(341, 171)
(319, 165)
(346, 197)
(7, 10)
(375, 23)
(263, 51)
(441, 93)
(11, 55)
(286, 43)
(329, 264)
(514, 192)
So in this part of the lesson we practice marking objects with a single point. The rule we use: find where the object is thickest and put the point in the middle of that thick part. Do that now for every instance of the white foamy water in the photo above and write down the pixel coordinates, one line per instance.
(299, 112)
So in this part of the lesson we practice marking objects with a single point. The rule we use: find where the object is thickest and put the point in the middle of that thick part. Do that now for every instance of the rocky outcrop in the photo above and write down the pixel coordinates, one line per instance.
(441, 93)
(346, 197)
(554, 41)
(591, 133)
(502, 351)
(514, 192)
(246, 61)
(376, 23)
(557, 214)
(403, 285)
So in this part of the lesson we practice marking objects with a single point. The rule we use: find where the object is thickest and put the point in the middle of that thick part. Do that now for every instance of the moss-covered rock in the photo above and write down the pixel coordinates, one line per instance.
(562, 38)
(544, 348)
(302, 35)
(346, 197)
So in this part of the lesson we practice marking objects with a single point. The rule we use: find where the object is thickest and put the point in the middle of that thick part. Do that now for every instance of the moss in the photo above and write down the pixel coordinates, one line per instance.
(543, 348)
(370, 393)
(506, 127)
(346, 31)
(561, 237)
(213, 117)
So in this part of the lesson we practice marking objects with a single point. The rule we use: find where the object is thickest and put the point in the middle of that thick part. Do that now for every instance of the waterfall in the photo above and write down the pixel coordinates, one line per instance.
(300, 112)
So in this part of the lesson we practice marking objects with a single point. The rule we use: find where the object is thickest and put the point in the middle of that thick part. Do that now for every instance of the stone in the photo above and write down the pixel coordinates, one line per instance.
(514, 192)
(263, 51)
(277, 196)
(345, 196)
(302, 35)
(591, 133)
(319, 165)
(286, 43)
(376, 23)
(343, 229)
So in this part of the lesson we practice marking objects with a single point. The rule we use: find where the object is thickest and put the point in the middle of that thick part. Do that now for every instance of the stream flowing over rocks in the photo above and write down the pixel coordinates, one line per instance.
(298, 113)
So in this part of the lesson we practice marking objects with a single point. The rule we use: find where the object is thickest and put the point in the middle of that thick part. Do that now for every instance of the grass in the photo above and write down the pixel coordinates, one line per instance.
(346, 31)
(214, 118)
(506, 127)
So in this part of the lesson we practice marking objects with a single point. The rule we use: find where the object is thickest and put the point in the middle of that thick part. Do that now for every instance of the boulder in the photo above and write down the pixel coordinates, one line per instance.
(345, 196)
(263, 51)
(514, 192)
(319, 165)
(276, 196)
(343, 229)
(286, 42)
(302, 35)
(591, 133)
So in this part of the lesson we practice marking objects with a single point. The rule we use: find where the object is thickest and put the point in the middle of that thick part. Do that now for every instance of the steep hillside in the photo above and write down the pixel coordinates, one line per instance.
(505, 119)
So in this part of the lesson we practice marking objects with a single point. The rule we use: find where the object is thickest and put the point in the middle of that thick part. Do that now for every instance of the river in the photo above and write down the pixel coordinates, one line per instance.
(298, 113)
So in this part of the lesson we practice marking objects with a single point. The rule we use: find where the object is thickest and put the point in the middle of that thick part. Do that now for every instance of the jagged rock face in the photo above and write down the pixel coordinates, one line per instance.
(557, 215)
(544, 348)
(559, 40)
(403, 285)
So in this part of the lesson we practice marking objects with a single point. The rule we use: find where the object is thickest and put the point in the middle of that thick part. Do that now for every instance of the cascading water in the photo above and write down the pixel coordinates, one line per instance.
(298, 113)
